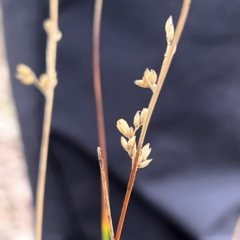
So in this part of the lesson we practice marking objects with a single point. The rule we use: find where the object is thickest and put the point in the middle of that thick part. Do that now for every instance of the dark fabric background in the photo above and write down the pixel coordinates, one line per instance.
(191, 189)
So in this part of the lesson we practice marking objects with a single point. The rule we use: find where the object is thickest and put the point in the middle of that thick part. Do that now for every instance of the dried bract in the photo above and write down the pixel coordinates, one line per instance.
(137, 120)
(25, 74)
(124, 143)
(123, 127)
(131, 142)
(144, 164)
(130, 132)
(143, 115)
(169, 28)
(145, 153)
(142, 84)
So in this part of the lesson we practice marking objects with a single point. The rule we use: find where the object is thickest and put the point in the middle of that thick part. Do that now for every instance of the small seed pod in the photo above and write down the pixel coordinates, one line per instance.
(123, 127)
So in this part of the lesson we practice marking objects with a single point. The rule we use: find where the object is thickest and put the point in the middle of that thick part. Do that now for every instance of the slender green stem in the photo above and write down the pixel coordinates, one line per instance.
(164, 69)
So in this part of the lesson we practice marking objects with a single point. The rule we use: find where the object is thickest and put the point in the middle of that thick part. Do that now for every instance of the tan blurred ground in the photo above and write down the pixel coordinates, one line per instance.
(15, 197)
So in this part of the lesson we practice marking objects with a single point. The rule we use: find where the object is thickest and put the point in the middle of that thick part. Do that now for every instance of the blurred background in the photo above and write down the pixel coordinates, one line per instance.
(15, 196)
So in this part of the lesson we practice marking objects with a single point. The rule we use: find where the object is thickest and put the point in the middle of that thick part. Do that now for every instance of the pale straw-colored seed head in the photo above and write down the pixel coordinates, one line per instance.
(143, 115)
(124, 143)
(137, 120)
(25, 74)
(149, 77)
(169, 28)
(144, 164)
(131, 142)
(148, 80)
(123, 127)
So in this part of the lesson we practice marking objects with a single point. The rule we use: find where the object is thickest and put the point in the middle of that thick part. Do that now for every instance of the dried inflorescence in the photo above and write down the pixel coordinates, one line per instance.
(129, 144)
(148, 80)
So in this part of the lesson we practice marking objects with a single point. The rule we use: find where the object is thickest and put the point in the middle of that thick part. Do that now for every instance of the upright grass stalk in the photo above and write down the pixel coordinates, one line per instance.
(164, 69)
(46, 84)
(106, 222)
(51, 53)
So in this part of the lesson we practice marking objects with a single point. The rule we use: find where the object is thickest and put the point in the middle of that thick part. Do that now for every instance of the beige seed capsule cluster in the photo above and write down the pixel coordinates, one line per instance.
(128, 140)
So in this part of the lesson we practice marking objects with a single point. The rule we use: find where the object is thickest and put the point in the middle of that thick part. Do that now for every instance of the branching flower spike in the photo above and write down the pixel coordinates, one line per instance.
(149, 80)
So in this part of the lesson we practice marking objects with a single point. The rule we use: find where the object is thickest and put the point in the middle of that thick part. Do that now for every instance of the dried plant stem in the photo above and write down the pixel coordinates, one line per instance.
(99, 109)
(49, 96)
(105, 192)
(236, 234)
(43, 167)
(164, 69)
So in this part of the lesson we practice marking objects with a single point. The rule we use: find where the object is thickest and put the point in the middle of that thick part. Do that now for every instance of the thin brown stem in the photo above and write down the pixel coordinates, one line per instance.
(105, 192)
(98, 93)
(164, 69)
(49, 96)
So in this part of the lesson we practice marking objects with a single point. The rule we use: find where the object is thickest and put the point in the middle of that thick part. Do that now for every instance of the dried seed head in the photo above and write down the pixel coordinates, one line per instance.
(25, 74)
(144, 164)
(148, 80)
(143, 115)
(149, 77)
(124, 143)
(169, 28)
(131, 142)
(123, 127)
(137, 120)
